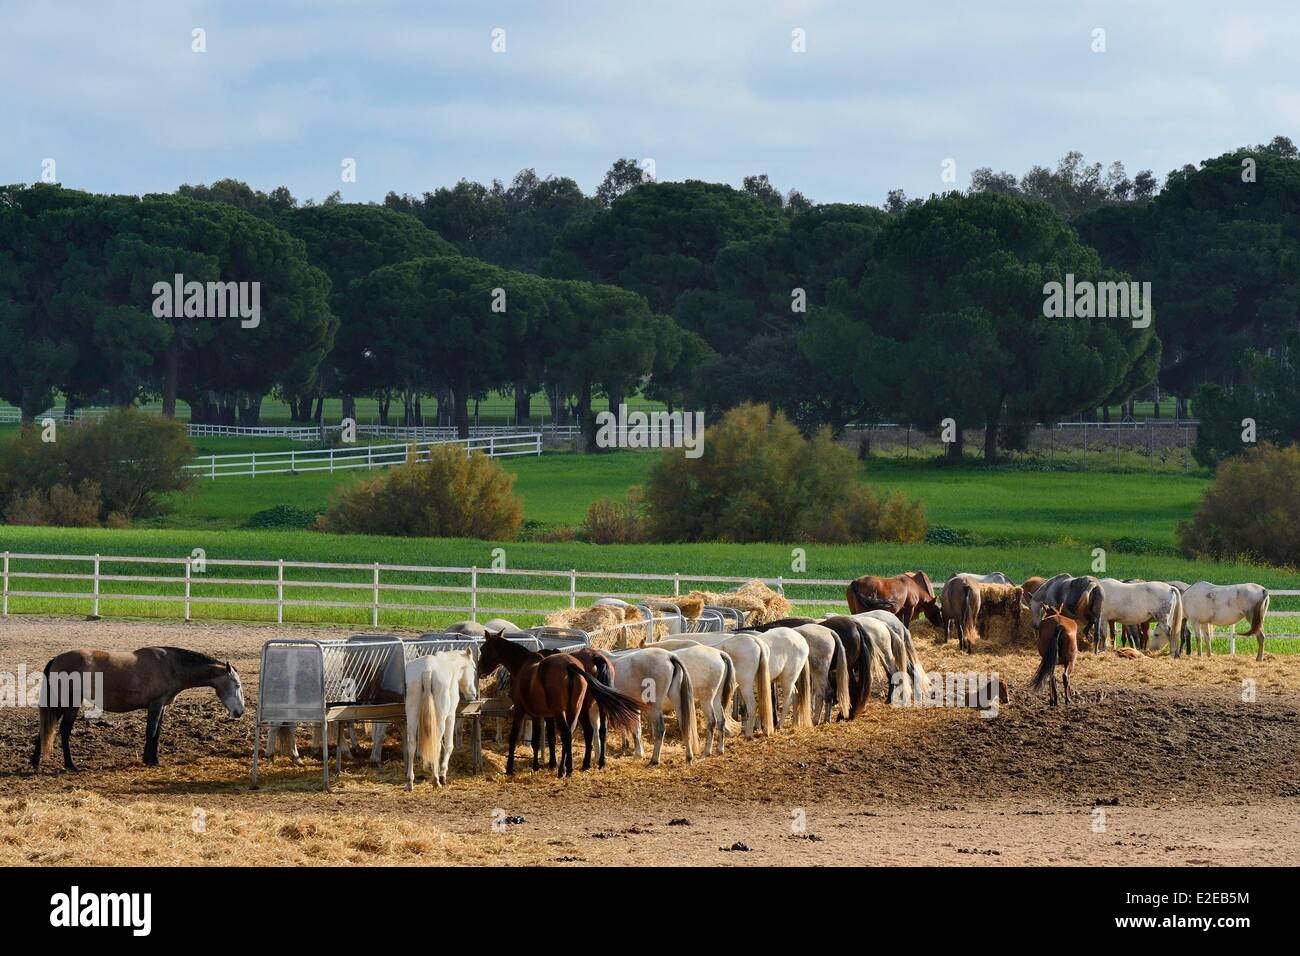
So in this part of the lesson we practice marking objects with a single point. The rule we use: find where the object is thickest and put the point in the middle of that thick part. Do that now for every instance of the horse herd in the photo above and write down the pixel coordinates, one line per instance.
(796, 671)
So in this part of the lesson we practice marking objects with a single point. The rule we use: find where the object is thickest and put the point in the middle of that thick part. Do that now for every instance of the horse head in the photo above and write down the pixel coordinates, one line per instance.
(230, 690)
(468, 675)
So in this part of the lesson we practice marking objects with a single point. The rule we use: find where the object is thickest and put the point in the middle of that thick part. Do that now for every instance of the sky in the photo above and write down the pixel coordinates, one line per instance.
(415, 94)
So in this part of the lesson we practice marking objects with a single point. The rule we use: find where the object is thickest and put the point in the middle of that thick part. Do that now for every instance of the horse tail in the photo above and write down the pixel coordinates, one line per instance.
(840, 668)
(966, 620)
(686, 709)
(803, 697)
(866, 664)
(1257, 616)
(764, 692)
(1097, 602)
(1048, 663)
(914, 666)
(621, 712)
(429, 740)
(728, 682)
(46, 725)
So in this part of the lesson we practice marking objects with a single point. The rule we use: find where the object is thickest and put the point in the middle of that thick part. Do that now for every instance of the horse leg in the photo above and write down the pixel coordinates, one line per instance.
(1065, 681)
(550, 740)
(1053, 697)
(658, 727)
(603, 726)
(65, 735)
(153, 724)
(1209, 639)
(537, 744)
(587, 733)
(516, 724)
(448, 741)
(566, 743)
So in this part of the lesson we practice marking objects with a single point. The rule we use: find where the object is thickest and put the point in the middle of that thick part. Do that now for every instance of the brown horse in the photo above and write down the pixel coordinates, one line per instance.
(960, 602)
(556, 686)
(121, 681)
(1058, 643)
(906, 595)
(599, 665)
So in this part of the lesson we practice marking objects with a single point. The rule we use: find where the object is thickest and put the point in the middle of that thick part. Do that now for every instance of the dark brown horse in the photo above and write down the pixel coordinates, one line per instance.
(1058, 644)
(599, 665)
(906, 595)
(557, 686)
(121, 681)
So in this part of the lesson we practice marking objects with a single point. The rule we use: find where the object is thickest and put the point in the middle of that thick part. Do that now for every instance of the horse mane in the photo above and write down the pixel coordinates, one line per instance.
(192, 659)
(920, 577)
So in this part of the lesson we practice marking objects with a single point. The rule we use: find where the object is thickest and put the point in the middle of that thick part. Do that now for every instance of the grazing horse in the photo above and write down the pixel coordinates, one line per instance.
(1080, 598)
(993, 577)
(904, 594)
(713, 679)
(556, 686)
(791, 678)
(859, 655)
(1208, 605)
(904, 650)
(828, 664)
(659, 678)
(1058, 643)
(149, 678)
(960, 602)
(1029, 587)
(1138, 602)
(435, 684)
(753, 662)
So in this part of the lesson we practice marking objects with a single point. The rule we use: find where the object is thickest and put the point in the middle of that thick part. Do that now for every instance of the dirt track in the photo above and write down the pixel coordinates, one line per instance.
(1158, 762)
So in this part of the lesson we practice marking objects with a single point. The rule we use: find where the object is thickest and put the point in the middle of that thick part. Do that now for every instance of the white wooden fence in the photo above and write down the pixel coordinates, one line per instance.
(345, 457)
(477, 590)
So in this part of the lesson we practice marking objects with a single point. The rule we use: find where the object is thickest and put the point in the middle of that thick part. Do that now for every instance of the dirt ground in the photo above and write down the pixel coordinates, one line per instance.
(1157, 762)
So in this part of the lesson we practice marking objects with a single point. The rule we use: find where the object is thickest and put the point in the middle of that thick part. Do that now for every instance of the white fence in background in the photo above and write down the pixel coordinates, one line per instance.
(478, 594)
(347, 457)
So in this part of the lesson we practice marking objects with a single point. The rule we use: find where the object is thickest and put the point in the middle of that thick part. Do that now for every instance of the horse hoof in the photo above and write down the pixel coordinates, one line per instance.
(409, 786)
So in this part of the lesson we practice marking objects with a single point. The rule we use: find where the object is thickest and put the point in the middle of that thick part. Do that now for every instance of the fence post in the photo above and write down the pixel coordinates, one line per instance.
(292, 453)
(214, 466)
(331, 461)
(473, 593)
(279, 592)
(677, 584)
(374, 607)
(573, 587)
(253, 459)
(94, 607)
(1232, 639)
(370, 457)
(6, 585)
(189, 560)
(492, 444)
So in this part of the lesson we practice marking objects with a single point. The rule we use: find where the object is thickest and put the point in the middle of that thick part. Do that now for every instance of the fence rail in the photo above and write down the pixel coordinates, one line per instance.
(294, 461)
(477, 587)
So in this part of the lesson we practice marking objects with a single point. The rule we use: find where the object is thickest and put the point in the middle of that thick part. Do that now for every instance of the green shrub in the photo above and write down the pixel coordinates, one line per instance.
(450, 495)
(282, 516)
(609, 522)
(1251, 511)
(134, 457)
(759, 479)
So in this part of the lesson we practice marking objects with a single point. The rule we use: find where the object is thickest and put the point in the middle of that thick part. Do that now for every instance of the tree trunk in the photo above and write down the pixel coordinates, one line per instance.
(586, 418)
(955, 446)
(523, 402)
(385, 400)
(350, 407)
(991, 437)
(460, 400)
(171, 375)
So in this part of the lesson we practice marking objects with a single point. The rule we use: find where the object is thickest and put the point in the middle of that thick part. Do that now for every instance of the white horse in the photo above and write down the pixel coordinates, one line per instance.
(434, 685)
(829, 671)
(791, 675)
(1208, 605)
(901, 650)
(713, 676)
(658, 678)
(1142, 602)
(993, 577)
(753, 665)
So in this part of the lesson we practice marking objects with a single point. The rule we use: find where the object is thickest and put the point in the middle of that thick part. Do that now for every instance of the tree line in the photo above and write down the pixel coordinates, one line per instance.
(693, 293)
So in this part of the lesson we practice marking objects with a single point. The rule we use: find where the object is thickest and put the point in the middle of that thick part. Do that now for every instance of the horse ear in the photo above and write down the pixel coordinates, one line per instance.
(228, 667)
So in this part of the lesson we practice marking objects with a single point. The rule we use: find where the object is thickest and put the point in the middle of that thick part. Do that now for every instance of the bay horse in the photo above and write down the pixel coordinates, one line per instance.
(147, 679)
(1058, 644)
(906, 595)
(556, 686)
(600, 665)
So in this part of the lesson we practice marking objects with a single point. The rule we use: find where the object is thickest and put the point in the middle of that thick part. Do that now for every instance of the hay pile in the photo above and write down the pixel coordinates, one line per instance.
(605, 623)
(759, 603)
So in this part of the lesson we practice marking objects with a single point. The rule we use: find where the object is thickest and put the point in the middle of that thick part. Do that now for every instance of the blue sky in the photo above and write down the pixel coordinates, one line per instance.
(709, 89)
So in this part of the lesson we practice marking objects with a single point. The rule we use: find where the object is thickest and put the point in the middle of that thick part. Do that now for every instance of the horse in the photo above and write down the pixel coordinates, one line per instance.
(1028, 588)
(435, 684)
(147, 679)
(993, 577)
(753, 665)
(1058, 643)
(1080, 598)
(1134, 603)
(904, 594)
(828, 665)
(859, 655)
(1208, 605)
(791, 677)
(661, 681)
(886, 647)
(600, 665)
(903, 650)
(713, 679)
(960, 603)
(556, 686)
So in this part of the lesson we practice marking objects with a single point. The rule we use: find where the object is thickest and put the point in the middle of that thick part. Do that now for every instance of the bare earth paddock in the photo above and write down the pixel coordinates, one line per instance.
(1180, 768)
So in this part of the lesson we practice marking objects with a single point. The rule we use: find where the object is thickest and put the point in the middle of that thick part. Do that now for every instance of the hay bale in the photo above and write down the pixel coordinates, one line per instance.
(758, 602)
(589, 619)
(691, 605)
